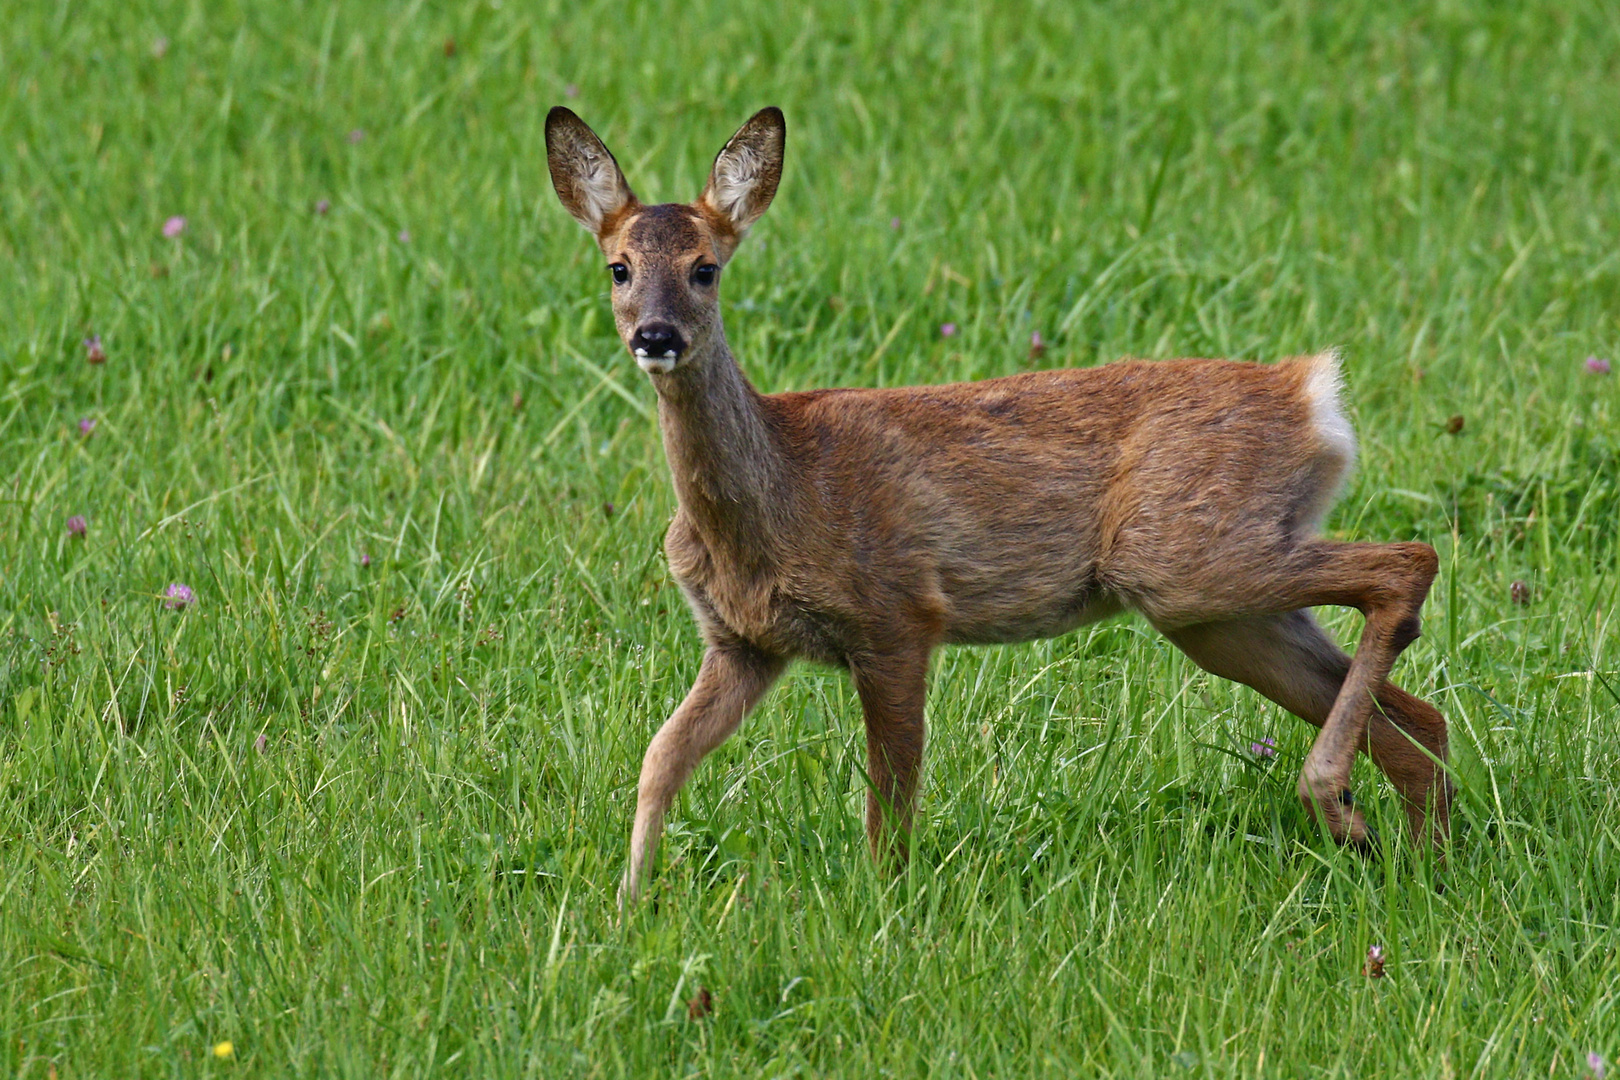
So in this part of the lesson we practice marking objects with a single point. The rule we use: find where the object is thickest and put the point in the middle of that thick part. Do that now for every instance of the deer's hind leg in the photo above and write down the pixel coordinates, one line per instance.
(1291, 660)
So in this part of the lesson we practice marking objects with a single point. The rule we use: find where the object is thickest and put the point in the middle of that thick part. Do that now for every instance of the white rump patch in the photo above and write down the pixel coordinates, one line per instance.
(1324, 388)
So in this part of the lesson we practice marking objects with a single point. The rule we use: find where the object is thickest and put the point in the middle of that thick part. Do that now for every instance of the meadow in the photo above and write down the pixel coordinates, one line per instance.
(290, 316)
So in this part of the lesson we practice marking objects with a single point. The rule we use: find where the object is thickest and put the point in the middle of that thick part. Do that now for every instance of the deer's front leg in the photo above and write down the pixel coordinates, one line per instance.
(731, 681)
(892, 689)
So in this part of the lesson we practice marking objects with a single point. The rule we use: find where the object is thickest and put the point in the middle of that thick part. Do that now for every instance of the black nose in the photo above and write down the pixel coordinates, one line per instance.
(657, 339)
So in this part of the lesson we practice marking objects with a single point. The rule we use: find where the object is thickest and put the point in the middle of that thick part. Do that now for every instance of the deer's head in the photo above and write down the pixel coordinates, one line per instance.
(666, 260)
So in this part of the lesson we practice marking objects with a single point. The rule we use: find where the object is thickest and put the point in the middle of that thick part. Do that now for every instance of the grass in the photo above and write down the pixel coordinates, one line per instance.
(364, 816)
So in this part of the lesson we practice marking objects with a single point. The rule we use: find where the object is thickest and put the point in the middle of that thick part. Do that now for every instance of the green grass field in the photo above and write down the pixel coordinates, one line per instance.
(360, 809)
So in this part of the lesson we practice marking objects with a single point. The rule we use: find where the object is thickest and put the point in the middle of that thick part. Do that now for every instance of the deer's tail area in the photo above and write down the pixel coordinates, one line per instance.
(1323, 388)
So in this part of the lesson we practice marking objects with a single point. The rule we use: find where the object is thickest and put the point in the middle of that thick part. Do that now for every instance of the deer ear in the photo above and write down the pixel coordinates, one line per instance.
(745, 174)
(587, 179)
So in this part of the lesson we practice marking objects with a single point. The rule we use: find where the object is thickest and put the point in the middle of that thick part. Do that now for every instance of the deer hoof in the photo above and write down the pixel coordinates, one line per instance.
(1345, 823)
(1369, 843)
(1351, 828)
(1359, 836)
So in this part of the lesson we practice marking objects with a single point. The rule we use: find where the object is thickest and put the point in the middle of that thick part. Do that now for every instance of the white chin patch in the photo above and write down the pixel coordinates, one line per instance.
(657, 365)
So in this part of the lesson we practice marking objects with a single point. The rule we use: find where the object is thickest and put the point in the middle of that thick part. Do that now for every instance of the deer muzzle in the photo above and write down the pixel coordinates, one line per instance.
(657, 347)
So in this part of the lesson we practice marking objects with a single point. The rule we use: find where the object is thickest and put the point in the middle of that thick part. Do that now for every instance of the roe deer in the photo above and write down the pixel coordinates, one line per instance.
(864, 528)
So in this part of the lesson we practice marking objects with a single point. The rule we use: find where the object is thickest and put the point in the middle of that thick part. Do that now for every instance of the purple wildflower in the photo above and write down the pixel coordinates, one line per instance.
(356, 135)
(1597, 365)
(87, 425)
(365, 559)
(93, 352)
(258, 744)
(894, 223)
(404, 236)
(76, 527)
(174, 226)
(1265, 748)
(178, 597)
(1599, 1067)
(1037, 346)
(1374, 967)
(571, 90)
(948, 330)
(322, 206)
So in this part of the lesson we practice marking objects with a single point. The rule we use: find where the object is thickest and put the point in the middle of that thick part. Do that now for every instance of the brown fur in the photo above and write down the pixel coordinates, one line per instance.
(864, 528)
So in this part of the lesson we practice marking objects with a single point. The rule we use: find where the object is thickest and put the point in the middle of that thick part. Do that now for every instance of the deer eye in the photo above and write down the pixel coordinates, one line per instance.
(620, 272)
(705, 274)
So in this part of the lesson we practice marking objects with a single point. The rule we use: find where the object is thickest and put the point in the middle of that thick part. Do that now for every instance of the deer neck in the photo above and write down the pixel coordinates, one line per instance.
(726, 458)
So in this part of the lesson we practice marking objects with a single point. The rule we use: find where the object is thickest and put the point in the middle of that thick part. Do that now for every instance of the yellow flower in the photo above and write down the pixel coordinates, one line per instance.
(224, 1049)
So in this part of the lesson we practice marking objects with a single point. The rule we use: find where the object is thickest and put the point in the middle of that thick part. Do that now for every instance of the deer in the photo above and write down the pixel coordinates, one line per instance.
(866, 528)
